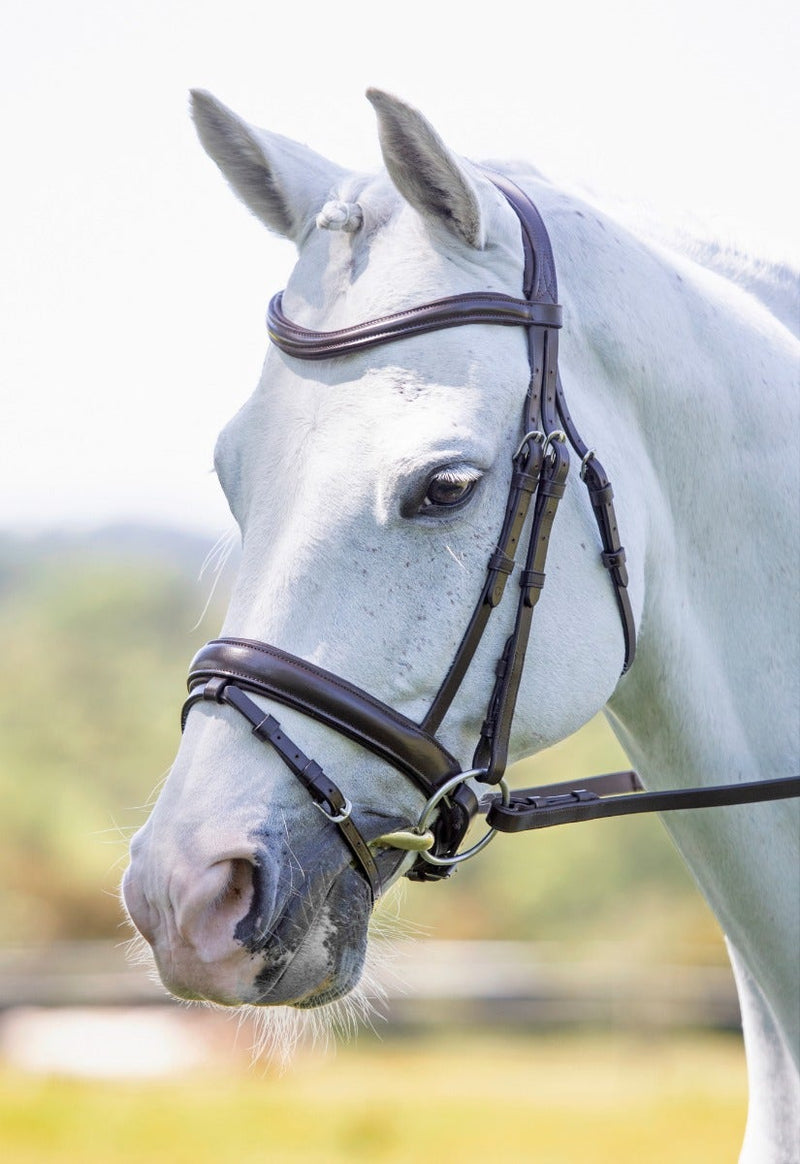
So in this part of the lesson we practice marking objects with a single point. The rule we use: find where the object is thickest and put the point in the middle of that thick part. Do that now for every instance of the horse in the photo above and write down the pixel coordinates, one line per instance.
(369, 474)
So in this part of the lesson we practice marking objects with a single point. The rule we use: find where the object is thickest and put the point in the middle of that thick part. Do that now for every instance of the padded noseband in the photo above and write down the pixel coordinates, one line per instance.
(268, 671)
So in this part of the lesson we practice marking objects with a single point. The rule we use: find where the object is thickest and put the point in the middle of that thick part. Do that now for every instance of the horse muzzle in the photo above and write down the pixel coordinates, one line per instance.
(271, 922)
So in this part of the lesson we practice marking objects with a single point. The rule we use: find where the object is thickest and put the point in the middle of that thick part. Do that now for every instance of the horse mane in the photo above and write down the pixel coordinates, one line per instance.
(775, 283)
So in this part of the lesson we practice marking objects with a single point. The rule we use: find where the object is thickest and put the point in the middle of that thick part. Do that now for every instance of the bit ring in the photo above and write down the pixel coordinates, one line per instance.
(431, 805)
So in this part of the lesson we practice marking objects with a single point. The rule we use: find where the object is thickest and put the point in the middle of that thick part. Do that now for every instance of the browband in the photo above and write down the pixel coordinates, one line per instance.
(454, 311)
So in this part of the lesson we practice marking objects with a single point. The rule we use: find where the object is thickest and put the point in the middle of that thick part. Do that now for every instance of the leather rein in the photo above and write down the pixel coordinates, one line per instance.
(230, 670)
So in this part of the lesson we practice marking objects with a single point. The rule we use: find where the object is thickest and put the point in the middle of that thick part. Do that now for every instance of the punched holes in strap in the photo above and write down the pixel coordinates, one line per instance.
(527, 464)
(268, 729)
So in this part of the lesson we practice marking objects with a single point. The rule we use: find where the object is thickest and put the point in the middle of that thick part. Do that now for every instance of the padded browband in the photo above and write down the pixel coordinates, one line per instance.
(266, 670)
(454, 311)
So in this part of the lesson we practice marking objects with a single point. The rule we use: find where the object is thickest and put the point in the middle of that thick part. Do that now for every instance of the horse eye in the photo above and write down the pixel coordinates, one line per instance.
(448, 489)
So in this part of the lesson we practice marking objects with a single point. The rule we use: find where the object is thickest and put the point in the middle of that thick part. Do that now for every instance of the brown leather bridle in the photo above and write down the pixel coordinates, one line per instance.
(226, 670)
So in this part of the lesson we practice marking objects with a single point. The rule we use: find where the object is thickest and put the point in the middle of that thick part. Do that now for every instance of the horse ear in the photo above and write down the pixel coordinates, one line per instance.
(425, 171)
(282, 182)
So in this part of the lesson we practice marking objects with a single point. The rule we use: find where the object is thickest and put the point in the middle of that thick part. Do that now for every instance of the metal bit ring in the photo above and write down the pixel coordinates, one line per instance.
(431, 806)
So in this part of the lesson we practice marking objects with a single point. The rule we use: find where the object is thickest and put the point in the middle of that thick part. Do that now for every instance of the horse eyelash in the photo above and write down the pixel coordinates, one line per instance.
(463, 475)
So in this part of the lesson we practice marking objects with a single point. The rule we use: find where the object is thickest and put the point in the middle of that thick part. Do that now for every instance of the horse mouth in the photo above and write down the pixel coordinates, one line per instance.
(306, 970)
(328, 960)
(313, 952)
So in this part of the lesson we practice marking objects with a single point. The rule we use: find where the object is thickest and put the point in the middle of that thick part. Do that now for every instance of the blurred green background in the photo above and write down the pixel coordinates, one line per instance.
(96, 633)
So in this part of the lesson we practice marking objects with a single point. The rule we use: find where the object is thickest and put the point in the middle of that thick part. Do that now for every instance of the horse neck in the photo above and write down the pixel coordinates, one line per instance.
(679, 359)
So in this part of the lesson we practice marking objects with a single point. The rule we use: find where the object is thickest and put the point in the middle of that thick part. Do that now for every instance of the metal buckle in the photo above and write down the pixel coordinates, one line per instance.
(536, 435)
(347, 808)
(556, 435)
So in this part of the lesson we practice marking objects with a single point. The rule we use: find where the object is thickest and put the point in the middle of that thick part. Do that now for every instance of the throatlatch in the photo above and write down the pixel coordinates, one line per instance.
(226, 669)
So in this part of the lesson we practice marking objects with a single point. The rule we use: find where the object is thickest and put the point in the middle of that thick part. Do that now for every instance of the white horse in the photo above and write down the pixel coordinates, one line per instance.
(369, 489)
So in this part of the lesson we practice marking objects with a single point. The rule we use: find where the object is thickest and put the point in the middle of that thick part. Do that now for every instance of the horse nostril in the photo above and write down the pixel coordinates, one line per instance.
(209, 907)
(234, 897)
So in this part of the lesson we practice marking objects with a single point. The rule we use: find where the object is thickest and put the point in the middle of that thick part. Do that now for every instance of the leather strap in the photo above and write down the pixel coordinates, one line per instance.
(325, 794)
(454, 311)
(539, 809)
(527, 464)
(492, 750)
(601, 496)
(539, 281)
(606, 784)
(269, 671)
(539, 276)
(491, 753)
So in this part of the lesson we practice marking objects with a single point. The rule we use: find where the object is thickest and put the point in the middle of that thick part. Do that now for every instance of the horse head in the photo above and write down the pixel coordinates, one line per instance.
(369, 483)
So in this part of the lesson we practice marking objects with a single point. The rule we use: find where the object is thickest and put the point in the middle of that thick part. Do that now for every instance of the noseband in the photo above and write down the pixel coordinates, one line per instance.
(229, 670)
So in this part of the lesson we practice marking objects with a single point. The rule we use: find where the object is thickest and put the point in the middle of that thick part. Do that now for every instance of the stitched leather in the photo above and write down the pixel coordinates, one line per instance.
(225, 668)
(454, 311)
(539, 280)
(331, 700)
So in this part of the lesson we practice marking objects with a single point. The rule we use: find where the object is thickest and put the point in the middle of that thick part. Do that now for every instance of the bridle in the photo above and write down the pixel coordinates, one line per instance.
(229, 670)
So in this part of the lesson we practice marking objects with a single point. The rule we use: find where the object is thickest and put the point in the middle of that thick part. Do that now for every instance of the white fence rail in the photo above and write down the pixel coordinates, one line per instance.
(426, 983)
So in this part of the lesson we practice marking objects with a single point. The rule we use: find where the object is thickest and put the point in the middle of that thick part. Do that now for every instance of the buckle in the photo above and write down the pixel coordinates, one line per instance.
(335, 818)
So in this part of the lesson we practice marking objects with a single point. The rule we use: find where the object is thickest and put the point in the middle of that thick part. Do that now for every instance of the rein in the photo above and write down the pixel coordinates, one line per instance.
(229, 670)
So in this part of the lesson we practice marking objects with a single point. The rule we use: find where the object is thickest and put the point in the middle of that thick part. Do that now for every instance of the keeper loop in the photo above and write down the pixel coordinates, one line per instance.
(613, 559)
(525, 482)
(214, 688)
(501, 562)
(604, 495)
(552, 488)
(532, 578)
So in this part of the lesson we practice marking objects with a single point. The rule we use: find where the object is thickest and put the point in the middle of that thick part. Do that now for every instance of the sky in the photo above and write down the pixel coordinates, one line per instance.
(134, 285)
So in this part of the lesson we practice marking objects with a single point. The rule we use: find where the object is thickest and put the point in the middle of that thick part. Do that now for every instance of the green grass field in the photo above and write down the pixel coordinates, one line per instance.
(566, 1099)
